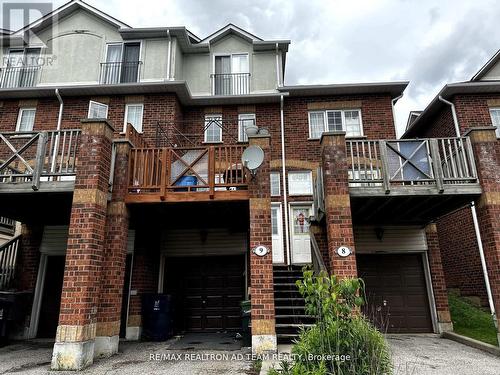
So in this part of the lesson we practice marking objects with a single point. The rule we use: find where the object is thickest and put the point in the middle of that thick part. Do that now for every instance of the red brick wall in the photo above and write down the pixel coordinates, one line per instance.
(460, 254)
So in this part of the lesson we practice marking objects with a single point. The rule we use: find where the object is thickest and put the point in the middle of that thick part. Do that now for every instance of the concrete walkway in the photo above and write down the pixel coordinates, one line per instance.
(134, 358)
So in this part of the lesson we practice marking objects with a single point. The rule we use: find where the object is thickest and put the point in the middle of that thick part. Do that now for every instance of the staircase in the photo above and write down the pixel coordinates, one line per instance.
(289, 303)
(8, 260)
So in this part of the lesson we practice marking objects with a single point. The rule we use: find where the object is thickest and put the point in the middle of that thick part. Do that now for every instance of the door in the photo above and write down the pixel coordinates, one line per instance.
(51, 298)
(240, 70)
(277, 232)
(12, 75)
(29, 73)
(125, 296)
(396, 292)
(130, 69)
(111, 70)
(207, 292)
(222, 77)
(300, 238)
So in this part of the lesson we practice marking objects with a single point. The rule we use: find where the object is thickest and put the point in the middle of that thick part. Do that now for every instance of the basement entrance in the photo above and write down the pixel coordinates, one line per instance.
(207, 292)
(396, 292)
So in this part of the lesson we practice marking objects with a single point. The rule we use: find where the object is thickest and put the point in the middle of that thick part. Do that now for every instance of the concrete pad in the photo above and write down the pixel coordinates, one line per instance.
(206, 341)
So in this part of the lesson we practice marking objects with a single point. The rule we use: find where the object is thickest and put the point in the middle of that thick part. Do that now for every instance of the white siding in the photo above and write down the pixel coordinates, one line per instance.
(194, 242)
(395, 239)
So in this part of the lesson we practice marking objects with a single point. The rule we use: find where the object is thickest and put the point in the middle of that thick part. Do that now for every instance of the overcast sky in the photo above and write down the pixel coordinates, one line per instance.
(429, 43)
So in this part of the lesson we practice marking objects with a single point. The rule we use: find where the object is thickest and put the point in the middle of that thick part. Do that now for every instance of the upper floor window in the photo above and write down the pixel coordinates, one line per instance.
(20, 68)
(133, 116)
(495, 119)
(231, 74)
(25, 119)
(337, 120)
(122, 63)
(97, 110)
(213, 128)
(275, 184)
(300, 183)
(244, 120)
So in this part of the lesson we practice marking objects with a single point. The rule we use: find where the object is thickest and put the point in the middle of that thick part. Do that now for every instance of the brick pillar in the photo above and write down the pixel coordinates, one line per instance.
(438, 279)
(261, 267)
(487, 155)
(337, 204)
(115, 253)
(74, 346)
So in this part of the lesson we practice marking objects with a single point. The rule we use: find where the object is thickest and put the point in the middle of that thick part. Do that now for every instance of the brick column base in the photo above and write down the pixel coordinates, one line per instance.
(437, 279)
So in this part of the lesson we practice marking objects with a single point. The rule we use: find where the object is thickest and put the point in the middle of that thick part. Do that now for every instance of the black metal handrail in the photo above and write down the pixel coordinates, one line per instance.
(120, 72)
(20, 76)
(230, 83)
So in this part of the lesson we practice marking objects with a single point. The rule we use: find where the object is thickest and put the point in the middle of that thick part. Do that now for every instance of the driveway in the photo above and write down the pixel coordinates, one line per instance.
(134, 358)
(432, 355)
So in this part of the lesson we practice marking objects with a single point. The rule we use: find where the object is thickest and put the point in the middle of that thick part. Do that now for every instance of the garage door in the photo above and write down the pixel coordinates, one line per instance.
(207, 292)
(397, 300)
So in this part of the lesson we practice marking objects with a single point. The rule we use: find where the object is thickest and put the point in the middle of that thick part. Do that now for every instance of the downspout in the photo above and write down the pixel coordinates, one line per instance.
(59, 122)
(393, 102)
(476, 225)
(169, 54)
(283, 170)
(278, 75)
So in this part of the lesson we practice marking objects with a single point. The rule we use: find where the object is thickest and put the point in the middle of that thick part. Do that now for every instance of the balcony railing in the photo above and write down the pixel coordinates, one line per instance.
(38, 156)
(7, 226)
(202, 171)
(438, 162)
(23, 76)
(120, 72)
(230, 83)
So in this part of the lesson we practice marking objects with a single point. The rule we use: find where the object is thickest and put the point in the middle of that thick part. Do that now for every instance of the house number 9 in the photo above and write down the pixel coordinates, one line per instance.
(260, 251)
(344, 251)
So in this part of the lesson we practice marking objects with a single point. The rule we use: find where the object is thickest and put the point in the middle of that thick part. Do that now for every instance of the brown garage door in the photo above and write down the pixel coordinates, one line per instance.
(396, 292)
(207, 292)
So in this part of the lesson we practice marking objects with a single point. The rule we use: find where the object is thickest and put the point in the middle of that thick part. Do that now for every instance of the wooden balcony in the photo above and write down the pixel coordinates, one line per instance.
(186, 174)
(410, 180)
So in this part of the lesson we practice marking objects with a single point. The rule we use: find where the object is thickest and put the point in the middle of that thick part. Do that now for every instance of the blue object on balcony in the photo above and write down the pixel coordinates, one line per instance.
(186, 181)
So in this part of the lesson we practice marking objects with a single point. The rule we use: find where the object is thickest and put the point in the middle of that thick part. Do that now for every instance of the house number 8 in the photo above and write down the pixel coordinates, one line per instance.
(344, 251)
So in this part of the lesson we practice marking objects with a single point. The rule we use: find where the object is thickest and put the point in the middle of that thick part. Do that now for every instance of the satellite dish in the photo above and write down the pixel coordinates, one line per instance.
(252, 158)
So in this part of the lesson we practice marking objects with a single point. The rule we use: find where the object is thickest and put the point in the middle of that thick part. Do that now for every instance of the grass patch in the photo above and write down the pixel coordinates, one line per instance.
(472, 321)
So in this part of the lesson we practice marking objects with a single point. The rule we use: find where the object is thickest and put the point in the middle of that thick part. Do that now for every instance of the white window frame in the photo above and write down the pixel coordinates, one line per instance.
(497, 130)
(279, 207)
(344, 127)
(276, 175)
(98, 103)
(242, 136)
(290, 184)
(19, 115)
(205, 130)
(232, 69)
(126, 116)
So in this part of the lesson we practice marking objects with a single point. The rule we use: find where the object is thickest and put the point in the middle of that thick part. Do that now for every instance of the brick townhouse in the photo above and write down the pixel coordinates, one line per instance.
(470, 109)
(150, 160)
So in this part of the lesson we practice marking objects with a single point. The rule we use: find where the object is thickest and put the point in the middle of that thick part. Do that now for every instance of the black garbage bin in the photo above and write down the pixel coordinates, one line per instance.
(157, 317)
(5, 306)
(246, 310)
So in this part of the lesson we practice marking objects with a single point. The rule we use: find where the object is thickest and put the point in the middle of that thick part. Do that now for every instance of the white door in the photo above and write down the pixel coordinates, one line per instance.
(301, 241)
(277, 230)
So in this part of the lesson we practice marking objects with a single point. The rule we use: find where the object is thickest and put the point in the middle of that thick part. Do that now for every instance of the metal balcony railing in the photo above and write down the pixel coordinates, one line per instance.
(439, 162)
(120, 72)
(38, 156)
(230, 83)
(23, 76)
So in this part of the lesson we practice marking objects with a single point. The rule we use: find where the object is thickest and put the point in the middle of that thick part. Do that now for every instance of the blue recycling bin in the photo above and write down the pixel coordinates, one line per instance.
(186, 181)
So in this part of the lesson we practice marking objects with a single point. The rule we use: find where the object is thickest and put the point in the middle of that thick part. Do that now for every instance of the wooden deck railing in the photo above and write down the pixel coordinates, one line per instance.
(387, 163)
(38, 156)
(164, 171)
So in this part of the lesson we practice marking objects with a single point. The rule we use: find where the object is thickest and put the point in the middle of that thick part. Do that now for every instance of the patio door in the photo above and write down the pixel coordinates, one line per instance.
(277, 232)
(131, 54)
(222, 78)
(300, 238)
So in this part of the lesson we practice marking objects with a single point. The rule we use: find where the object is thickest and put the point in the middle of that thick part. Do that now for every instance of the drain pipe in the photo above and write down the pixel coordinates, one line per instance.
(393, 102)
(169, 53)
(278, 75)
(283, 169)
(476, 225)
(59, 121)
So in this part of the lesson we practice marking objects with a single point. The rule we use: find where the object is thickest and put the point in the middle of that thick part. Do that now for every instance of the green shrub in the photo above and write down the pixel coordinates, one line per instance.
(342, 341)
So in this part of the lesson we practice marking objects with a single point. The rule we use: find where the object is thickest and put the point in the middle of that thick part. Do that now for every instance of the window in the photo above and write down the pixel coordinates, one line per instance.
(345, 120)
(122, 63)
(213, 128)
(275, 184)
(98, 110)
(244, 120)
(21, 68)
(25, 119)
(231, 74)
(133, 116)
(300, 183)
(495, 119)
